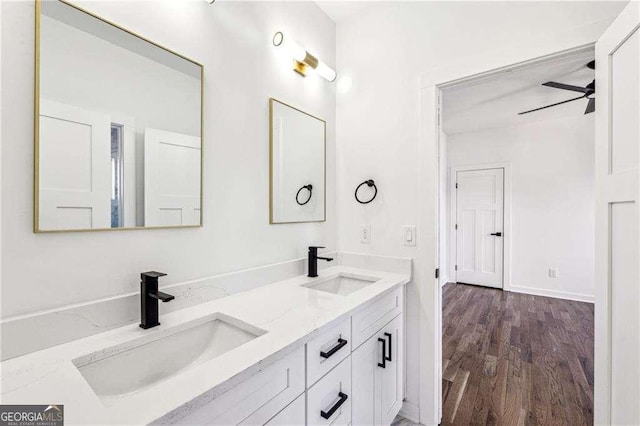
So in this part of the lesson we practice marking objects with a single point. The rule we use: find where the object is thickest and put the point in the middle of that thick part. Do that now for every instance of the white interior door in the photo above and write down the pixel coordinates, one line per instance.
(171, 178)
(479, 221)
(74, 168)
(617, 343)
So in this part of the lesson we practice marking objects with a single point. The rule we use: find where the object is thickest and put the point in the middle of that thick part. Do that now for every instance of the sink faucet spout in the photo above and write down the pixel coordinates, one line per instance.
(313, 260)
(149, 296)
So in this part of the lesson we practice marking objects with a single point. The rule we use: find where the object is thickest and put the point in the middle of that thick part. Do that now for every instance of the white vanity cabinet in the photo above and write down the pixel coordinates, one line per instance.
(329, 400)
(257, 399)
(377, 376)
(293, 414)
(351, 373)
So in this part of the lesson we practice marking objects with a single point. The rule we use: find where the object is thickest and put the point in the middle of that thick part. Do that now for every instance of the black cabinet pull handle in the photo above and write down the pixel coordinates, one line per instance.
(341, 343)
(383, 364)
(497, 234)
(327, 414)
(390, 347)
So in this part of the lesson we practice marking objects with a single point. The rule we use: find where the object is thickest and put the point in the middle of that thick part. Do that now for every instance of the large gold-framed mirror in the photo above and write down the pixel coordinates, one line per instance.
(297, 175)
(118, 127)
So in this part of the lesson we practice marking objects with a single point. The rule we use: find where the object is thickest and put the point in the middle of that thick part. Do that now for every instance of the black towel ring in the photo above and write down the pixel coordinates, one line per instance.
(369, 183)
(307, 187)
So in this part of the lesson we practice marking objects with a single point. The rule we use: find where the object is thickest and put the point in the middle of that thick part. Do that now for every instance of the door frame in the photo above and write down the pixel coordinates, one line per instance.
(576, 41)
(506, 218)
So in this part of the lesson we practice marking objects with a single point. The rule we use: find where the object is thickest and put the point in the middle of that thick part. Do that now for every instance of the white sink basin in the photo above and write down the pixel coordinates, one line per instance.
(343, 284)
(134, 366)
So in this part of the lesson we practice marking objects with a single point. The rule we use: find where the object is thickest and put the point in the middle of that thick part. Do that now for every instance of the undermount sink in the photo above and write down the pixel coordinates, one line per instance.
(134, 366)
(343, 284)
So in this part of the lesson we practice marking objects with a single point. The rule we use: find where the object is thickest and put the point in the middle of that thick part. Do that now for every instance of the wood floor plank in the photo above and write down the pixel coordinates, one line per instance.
(515, 359)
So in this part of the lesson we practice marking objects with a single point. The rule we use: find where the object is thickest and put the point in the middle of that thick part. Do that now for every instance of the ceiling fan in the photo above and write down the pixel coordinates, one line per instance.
(588, 92)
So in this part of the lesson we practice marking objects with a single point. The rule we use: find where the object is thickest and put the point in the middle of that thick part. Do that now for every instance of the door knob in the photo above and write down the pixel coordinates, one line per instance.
(497, 234)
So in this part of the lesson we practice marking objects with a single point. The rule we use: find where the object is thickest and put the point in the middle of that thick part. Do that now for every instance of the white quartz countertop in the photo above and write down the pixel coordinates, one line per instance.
(289, 312)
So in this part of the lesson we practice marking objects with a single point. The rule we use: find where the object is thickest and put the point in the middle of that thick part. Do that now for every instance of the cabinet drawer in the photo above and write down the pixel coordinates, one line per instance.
(293, 414)
(326, 350)
(329, 400)
(258, 398)
(372, 317)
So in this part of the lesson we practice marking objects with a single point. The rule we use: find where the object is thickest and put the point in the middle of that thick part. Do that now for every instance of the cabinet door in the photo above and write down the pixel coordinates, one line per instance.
(377, 380)
(364, 369)
(391, 377)
(293, 414)
(257, 399)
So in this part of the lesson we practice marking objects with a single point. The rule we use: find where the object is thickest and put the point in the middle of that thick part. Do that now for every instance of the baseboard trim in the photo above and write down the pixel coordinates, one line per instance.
(410, 412)
(551, 293)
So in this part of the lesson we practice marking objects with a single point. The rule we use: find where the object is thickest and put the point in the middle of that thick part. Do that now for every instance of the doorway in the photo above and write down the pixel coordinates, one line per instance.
(527, 251)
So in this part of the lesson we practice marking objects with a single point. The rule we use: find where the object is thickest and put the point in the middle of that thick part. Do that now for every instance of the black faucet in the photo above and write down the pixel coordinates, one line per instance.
(149, 296)
(313, 260)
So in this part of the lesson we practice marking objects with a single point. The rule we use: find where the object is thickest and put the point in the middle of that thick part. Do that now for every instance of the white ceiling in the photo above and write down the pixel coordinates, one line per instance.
(339, 10)
(495, 101)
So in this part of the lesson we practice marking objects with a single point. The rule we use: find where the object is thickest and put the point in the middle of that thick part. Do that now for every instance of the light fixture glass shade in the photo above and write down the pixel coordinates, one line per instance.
(325, 71)
(303, 57)
(294, 49)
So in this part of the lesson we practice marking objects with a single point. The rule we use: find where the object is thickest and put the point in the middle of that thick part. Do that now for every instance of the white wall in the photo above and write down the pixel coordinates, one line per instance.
(553, 200)
(380, 56)
(242, 70)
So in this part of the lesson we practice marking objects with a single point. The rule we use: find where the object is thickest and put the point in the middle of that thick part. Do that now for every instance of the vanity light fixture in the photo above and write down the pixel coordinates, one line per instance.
(303, 60)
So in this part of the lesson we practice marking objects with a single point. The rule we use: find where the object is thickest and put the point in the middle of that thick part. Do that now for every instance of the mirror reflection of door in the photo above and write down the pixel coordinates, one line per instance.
(297, 165)
(103, 92)
(172, 178)
(74, 178)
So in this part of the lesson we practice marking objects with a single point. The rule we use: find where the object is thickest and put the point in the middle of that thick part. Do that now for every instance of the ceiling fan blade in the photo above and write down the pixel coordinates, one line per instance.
(591, 106)
(566, 87)
(552, 105)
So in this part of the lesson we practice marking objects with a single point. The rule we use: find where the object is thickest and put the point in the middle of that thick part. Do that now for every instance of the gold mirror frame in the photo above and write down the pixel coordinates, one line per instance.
(324, 162)
(36, 127)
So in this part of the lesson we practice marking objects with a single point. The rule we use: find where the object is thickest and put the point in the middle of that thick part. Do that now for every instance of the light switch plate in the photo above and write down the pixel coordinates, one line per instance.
(409, 235)
(365, 234)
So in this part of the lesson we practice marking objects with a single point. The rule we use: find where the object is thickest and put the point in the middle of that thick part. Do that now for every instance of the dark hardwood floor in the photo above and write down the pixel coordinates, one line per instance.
(515, 359)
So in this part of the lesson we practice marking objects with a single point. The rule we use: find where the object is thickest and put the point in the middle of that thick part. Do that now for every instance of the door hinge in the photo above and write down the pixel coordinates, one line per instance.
(437, 272)
(456, 267)
(456, 185)
(456, 226)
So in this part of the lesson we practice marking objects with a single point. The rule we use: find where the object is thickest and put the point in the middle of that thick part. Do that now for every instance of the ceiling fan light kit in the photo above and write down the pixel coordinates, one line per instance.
(588, 92)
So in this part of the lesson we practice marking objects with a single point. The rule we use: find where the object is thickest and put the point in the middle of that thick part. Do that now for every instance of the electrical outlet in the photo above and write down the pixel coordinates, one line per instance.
(553, 273)
(365, 234)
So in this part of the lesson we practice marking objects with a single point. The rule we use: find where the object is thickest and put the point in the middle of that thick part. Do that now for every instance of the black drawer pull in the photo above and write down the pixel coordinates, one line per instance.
(383, 364)
(327, 414)
(390, 347)
(341, 343)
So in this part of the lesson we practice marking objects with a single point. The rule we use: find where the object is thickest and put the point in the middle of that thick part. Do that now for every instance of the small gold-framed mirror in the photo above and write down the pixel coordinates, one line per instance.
(118, 127)
(297, 175)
